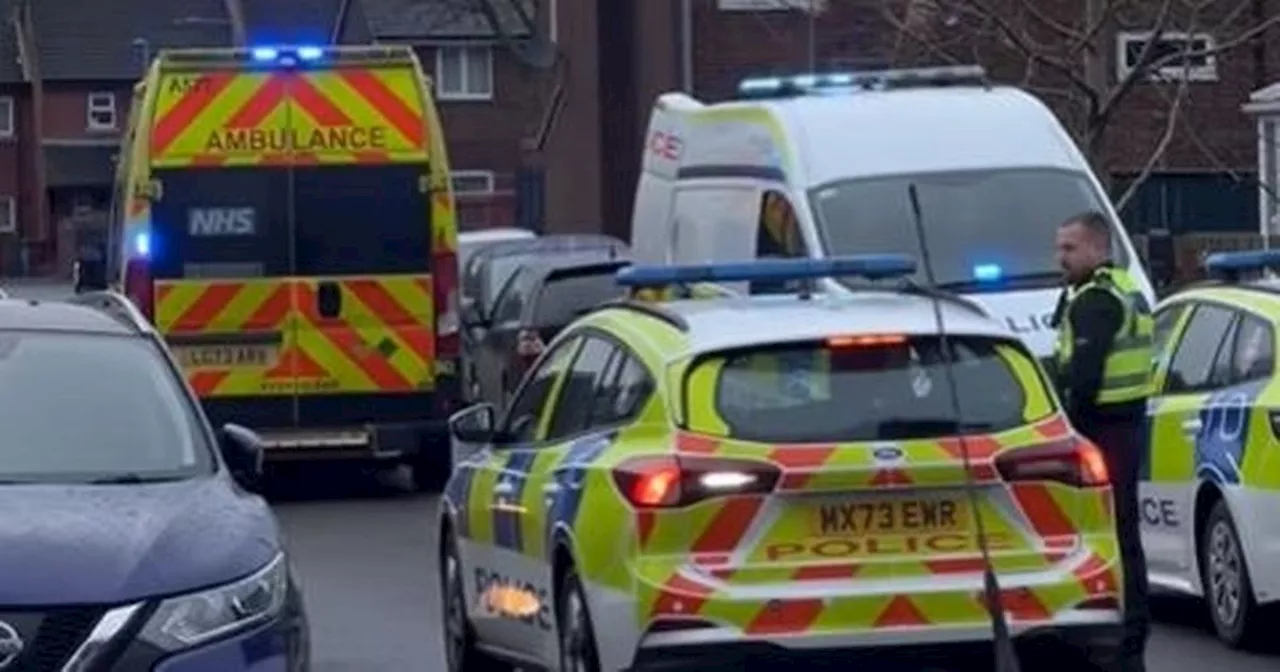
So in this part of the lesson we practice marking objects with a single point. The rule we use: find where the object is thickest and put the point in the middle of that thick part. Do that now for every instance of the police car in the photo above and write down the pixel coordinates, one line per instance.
(1210, 491)
(717, 477)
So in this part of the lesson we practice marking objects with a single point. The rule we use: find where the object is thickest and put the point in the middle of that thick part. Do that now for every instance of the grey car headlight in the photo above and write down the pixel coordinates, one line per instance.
(188, 620)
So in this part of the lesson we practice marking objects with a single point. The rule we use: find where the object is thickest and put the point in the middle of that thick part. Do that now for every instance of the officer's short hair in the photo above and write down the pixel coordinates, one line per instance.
(1095, 222)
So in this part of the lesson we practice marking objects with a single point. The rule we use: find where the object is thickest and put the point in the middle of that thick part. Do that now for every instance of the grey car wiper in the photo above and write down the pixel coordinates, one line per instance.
(132, 479)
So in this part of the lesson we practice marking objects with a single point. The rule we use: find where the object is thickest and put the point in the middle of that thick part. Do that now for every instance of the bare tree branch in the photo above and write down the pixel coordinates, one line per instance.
(1162, 146)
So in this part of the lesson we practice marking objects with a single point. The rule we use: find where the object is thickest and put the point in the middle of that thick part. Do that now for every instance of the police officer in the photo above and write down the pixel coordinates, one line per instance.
(1103, 363)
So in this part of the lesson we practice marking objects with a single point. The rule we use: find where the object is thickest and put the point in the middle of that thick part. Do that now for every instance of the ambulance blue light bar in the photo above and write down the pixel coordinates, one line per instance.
(286, 55)
(876, 80)
(869, 266)
(1231, 264)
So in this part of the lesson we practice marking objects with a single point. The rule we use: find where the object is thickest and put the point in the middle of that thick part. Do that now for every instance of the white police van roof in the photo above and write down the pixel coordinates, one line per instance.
(719, 324)
(878, 133)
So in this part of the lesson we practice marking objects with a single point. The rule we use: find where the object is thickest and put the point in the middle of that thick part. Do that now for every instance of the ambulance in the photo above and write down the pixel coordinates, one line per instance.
(822, 165)
(284, 216)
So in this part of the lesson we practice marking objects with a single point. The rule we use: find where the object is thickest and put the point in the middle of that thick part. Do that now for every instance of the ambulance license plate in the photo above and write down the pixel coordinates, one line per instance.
(890, 516)
(223, 356)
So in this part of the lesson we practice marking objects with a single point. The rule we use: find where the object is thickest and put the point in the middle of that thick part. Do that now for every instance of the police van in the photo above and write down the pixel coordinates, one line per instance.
(820, 166)
(283, 214)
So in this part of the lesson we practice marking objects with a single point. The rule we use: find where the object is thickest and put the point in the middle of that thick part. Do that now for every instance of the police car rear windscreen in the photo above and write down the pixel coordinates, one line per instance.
(849, 389)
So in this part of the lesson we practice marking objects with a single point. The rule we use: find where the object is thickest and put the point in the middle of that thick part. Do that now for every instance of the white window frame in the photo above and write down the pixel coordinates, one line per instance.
(487, 175)
(1200, 73)
(466, 51)
(9, 224)
(8, 116)
(101, 102)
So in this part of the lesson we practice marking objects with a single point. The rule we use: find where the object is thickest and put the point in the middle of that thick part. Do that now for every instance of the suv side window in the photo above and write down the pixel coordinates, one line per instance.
(529, 405)
(510, 302)
(573, 410)
(1192, 369)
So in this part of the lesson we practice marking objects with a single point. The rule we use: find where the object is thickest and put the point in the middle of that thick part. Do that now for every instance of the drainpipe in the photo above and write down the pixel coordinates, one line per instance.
(235, 13)
(29, 54)
(686, 46)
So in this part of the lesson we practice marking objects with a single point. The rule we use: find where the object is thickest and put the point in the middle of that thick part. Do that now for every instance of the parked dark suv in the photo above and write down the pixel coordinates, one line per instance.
(129, 537)
(539, 300)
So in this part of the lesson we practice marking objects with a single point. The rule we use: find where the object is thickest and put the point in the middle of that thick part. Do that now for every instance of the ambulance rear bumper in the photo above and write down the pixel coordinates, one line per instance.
(340, 427)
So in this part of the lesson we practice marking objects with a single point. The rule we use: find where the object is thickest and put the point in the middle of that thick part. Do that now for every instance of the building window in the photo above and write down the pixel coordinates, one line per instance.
(8, 215)
(472, 182)
(102, 111)
(464, 73)
(6, 116)
(1197, 67)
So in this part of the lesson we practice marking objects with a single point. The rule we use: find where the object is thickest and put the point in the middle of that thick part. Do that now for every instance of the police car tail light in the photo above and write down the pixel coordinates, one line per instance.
(528, 344)
(1073, 461)
(675, 481)
(444, 281)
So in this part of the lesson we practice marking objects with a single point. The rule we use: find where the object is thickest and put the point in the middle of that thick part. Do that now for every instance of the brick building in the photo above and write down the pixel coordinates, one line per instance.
(545, 101)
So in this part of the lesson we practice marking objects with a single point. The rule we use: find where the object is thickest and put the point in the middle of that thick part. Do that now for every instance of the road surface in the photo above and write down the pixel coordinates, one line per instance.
(364, 552)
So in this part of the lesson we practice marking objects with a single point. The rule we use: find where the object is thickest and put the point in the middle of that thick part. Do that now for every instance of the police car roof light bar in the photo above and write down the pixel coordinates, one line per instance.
(873, 80)
(1230, 265)
(869, 266)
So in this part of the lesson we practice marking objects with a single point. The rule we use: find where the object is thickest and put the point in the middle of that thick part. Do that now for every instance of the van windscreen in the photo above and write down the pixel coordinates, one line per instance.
(977, 222)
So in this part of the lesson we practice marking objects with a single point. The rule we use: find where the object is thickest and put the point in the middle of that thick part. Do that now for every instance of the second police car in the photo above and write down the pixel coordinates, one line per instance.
(663, 489)
(1211, 483)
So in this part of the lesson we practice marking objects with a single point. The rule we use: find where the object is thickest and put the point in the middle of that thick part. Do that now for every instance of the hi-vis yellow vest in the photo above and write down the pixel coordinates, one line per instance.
(1126, 375)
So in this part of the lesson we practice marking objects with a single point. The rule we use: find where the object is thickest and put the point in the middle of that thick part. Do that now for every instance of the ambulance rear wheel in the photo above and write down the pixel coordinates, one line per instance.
(1228, 590)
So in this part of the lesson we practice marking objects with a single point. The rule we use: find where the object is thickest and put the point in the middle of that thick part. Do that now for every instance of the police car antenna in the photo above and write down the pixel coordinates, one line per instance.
(1006, 658)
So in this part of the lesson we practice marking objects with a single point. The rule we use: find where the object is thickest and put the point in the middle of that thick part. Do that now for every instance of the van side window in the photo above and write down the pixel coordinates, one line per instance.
(777, 237)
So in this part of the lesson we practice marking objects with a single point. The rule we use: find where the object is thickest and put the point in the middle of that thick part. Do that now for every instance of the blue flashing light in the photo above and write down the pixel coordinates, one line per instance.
(869, 266)
(844, 82)
(1233, 263)
(265, 54)
(142, 244)
(310, 53)
(987, 272)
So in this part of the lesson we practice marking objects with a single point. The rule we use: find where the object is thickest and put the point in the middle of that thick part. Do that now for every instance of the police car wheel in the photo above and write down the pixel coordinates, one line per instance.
(577, 637)
(460, 651)
(1227, 587)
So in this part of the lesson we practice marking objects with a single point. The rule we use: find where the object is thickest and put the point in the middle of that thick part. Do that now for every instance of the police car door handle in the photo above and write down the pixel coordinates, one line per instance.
(1192, 426)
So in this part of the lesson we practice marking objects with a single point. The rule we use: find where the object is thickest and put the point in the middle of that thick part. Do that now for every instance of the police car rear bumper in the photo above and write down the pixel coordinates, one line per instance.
(1056, 641)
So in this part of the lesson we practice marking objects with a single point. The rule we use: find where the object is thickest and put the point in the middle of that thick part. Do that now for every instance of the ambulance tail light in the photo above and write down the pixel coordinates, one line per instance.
(1073, 461)
(138, 287)
(444, 280)
(670, 481)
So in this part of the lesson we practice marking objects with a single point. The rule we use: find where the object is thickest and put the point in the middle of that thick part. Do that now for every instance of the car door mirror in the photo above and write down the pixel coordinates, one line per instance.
(476, 424)
(89, 273)
(244, 453)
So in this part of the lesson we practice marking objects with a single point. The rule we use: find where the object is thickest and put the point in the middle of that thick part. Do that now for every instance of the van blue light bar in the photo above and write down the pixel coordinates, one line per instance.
(1231, 264)
(286, 55)
(869, 266)
(877, 80)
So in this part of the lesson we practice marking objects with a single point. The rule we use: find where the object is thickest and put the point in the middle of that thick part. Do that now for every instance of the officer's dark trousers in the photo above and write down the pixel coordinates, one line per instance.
(1122, 439)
